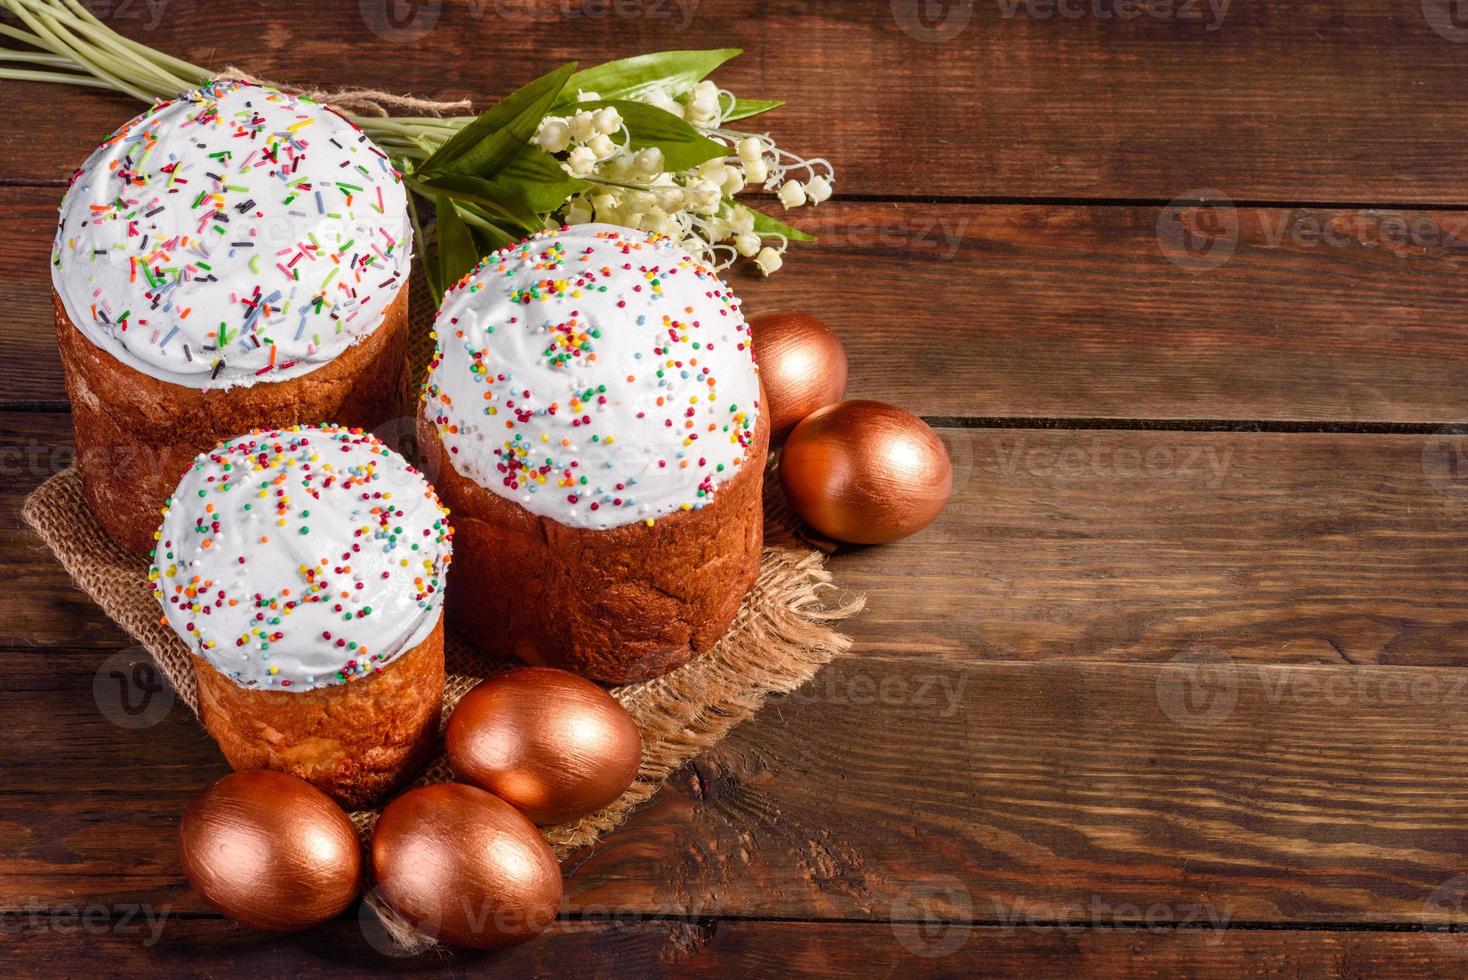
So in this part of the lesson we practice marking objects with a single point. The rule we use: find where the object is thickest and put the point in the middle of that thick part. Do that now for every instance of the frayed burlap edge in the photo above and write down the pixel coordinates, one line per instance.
(782, 635)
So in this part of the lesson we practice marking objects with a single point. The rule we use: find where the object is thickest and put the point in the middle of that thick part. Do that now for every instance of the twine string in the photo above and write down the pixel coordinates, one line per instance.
(363, 101)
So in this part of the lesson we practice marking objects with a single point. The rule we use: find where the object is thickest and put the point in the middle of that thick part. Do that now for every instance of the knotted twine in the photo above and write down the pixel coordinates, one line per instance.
(366, 101)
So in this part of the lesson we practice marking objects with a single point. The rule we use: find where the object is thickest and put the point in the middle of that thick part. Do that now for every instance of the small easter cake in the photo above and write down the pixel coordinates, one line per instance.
(304, 569)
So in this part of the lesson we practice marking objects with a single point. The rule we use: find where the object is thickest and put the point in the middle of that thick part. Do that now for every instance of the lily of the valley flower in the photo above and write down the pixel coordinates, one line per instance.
(695, 206)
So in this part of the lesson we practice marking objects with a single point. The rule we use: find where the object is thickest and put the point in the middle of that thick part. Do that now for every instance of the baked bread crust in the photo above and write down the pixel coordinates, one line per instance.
(617, 605)
(356, 742)
(136, 435)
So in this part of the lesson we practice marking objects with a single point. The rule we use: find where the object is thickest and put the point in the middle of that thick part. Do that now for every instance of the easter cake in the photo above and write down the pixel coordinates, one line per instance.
(234, 258)
(592, 419)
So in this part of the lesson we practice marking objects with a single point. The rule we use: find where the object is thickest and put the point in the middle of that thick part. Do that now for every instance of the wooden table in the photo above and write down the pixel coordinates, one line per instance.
(1175, 684)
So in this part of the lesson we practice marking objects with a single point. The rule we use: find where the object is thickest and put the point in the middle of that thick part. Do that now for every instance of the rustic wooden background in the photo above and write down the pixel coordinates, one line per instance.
(1186, 650)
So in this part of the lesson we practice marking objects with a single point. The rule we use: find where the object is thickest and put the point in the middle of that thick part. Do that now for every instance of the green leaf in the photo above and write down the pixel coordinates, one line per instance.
(766, 225)
(682, 145)
(541, 182)
(502, 202)
(632, 78)
(744, 108)
(487, 144)
(426, 260)
(457, 253)
(489, 236)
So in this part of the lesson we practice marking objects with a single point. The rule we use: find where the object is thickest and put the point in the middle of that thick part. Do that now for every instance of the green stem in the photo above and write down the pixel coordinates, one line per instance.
(183, 69)
(423, 259)
(105, 43)
(37, 58)
(93, 62)
(27, 37)
(22, 75)
(410, 153)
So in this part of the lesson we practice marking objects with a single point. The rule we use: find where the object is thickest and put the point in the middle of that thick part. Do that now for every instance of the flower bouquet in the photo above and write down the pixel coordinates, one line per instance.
(648, 142)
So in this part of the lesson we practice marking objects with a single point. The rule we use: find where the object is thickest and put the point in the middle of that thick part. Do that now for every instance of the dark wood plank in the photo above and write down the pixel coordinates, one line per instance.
(991, 792)
(1322, 796)
(1019, 100)
(28, 218)
(1048, 791)
(1073, 544)
(42, 606)
(1050, 312)
(721, 948)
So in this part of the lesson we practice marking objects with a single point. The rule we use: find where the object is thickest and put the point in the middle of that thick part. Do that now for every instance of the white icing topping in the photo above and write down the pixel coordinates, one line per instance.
(596, 376)
(232, 235)
(302, 558)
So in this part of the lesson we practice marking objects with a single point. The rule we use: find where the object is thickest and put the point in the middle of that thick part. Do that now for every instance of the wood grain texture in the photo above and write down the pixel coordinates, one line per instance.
(1005, 793)
(1051, 312)
(1140, 681)
(1066, 792)
(721, 948)
(1020, 99)
(1122, 546)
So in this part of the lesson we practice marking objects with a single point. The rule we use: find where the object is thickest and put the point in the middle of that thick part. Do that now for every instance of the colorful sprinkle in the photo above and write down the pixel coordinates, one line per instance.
(177, 209)
(370, 540)
(596, 375)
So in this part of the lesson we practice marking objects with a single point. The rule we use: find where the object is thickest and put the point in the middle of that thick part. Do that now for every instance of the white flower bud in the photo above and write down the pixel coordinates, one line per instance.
(601, 144)
(769, 261)
(605, 202)
(733, 181)
(746, 243)
(554, 136)
(742, 221)
(706, 91)
(751, 148)
(587, 97)
(716, 229)
(583, 126)
(704, 197)
(578, 212)
(659, 221)
(818, 189)
(700, 112)
(582, 161)
(607, 120)
(756, 171)
(650, 160)
(661, 99)
(670, 198)
(641, 200)
(792, 194)
(619, 167)
(703, 102)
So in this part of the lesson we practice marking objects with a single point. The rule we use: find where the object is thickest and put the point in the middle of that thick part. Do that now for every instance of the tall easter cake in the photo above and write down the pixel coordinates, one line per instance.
(230, 259)
(592, 418)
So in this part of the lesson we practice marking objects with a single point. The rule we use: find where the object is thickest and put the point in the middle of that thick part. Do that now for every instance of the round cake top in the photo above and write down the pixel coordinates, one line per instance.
(595, 375)
(232, 235)
(301, 558)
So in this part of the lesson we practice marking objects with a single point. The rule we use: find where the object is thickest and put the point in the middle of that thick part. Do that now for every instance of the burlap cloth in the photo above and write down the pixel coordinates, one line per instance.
(783, 633)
